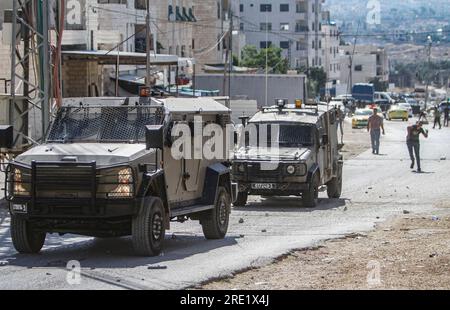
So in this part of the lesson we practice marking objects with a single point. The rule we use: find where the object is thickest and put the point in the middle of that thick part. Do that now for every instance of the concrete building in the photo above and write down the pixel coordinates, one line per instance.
(293, 25)
(331, 50)
(212, 23)
(369, 62)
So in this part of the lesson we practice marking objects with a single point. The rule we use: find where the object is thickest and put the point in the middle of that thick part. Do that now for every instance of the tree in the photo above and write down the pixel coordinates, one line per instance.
(276, 63)
(317, 79)
(379, 85)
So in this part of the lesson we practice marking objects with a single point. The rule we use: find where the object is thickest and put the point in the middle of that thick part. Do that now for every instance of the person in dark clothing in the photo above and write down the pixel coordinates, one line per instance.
(413, 143)
(437, 118)
(446, 115)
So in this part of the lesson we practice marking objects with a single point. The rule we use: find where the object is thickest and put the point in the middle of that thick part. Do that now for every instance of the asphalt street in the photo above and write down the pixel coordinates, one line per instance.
(375, 188)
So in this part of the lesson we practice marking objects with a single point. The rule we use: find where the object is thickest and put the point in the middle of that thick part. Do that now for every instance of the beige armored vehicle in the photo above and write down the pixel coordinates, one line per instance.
(107, 169)
(300, 157)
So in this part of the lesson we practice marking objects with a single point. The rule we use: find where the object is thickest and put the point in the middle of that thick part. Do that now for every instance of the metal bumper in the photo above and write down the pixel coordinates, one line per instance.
(74, 208)
(280, 189)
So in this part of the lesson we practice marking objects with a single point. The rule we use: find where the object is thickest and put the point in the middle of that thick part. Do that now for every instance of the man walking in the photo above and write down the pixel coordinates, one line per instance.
(375, 126)
(446, 114)
(413, 143)
(437, 117)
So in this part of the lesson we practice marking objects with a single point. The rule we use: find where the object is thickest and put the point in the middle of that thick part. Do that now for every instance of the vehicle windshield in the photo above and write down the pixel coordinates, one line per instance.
(287, 135)
(103, 124)
(364, 112)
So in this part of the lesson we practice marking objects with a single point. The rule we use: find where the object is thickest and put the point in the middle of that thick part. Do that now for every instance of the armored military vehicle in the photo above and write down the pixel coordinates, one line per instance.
(106, 169)
(302, 154)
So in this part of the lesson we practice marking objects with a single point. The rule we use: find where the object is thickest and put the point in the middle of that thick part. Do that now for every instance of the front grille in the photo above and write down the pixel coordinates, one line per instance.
(63, 181)
(268, 172)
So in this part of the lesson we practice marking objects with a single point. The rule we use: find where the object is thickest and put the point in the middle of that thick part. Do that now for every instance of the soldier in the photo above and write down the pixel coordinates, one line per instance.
(375, 127)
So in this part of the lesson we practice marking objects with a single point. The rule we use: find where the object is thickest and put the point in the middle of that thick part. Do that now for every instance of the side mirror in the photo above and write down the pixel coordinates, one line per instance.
(154, 137)
(324, 140)
(6, 136)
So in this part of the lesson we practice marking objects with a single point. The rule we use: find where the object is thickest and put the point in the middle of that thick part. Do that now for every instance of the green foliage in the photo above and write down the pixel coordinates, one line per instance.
(317, 79)
(379, 85)
(253, 58)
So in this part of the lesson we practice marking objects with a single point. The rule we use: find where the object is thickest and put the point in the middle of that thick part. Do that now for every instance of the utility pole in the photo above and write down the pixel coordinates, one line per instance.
(430, 43)
(148, 46)
(230, 61)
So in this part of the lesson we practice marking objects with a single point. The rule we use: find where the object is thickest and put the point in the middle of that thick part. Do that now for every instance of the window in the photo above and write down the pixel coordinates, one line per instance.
(266, 7)
(313, 44)
(284, 26)
(241, 8)
(284, 44)
(241, 27)
(284, 7)
(265, 44)
(113, 1)
(320, 44)
(265, 26)
(140, 4)
(171, 15)
(358, 68)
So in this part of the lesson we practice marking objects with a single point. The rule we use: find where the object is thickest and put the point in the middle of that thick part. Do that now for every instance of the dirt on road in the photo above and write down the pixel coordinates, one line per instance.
(410, 252)
(356, 141)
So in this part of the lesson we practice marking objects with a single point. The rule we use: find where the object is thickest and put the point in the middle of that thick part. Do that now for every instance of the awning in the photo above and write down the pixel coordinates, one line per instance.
(125, 58)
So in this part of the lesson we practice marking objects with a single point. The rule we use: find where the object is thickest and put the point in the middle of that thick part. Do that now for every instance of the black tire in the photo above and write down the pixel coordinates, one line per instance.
(241, 200)
(215, 222)
(25, 239)
(311, 196)
(148, 229)
(334, 186)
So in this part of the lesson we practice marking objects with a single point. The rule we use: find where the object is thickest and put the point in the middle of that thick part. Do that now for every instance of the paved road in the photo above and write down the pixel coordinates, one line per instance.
(375, 188)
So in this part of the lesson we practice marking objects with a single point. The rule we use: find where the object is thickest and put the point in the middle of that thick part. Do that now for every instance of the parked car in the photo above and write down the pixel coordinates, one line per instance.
(397, 112)
(383, 96)
(407, 107)
(361, 117)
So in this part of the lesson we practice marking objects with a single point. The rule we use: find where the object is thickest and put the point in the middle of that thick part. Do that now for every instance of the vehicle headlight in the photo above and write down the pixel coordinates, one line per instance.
(116, 183)
(290, 169)
(21, 182)
(125, 188)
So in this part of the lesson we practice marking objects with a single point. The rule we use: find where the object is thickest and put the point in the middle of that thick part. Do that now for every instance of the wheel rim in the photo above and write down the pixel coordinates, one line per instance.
(157, 226)
(222, 212)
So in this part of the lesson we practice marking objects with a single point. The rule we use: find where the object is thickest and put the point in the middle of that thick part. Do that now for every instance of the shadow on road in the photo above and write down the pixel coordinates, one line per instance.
(116, 252)
(290, 204)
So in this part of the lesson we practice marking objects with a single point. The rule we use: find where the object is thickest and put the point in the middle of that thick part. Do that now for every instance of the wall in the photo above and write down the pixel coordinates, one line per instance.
(252, 86)
(206, 50)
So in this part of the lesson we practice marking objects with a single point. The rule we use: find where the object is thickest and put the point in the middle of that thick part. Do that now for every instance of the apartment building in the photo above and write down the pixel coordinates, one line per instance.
(331, 42)
(293, 25)
(368, 62)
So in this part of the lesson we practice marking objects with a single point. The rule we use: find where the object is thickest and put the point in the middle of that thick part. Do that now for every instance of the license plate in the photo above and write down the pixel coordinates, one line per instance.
(19, 208)
(263, 186)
